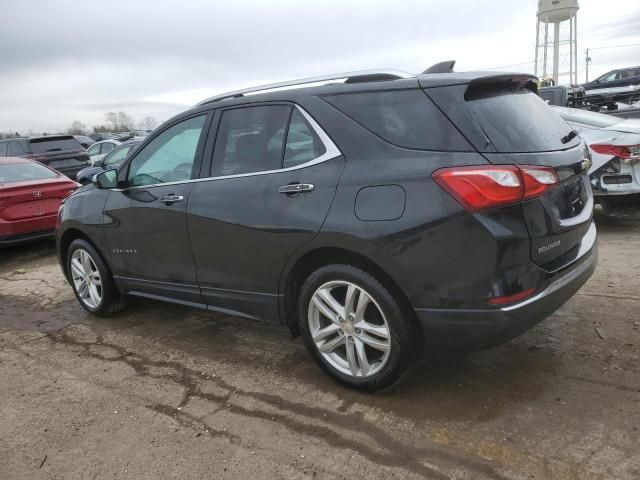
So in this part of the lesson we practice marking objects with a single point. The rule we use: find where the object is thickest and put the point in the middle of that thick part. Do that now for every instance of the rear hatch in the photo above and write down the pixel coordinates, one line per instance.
(62, 153)
(510, 125)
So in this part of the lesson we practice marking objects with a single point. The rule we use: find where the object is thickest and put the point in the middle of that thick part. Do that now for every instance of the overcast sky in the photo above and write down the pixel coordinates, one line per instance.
(75, 60)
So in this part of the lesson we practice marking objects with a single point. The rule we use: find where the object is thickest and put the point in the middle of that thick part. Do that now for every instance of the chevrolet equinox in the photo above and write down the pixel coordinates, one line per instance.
(377, 214)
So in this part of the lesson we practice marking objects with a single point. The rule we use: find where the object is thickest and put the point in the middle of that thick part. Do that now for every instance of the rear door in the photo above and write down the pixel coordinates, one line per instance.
(146, 226)
(511, 125)
(273, 177)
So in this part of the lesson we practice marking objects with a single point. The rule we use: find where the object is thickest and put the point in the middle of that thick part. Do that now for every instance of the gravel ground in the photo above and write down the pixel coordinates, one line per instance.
(163, 391)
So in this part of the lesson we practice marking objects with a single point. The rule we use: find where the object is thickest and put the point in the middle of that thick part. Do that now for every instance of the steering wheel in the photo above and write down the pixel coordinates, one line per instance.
(182, 171)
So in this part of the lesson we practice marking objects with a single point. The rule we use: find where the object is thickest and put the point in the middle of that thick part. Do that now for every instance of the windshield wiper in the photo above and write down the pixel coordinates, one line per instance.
(569, 136)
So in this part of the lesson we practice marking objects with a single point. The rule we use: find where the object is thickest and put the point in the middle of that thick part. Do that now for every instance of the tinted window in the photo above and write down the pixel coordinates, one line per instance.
(170, 156)
(520, 122)
(3, 149)
(250, 140)
(303, 144)
(16, 148)
(54, 144)
(22, 172)
(406, 118)
(586, 117)
(117, 156)
(106, 147)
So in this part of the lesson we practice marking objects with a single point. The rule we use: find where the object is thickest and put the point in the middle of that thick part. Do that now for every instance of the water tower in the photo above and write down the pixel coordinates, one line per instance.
(557, 57)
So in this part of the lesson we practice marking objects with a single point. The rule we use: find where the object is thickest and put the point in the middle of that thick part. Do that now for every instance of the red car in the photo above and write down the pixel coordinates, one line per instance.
(30, 195)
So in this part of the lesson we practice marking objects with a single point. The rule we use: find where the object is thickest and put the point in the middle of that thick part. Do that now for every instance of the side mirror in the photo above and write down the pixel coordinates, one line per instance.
(107, 179)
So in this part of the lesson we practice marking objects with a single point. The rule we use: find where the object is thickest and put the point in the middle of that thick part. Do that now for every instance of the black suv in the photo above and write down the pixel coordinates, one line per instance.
(378, 215)
(60, 152)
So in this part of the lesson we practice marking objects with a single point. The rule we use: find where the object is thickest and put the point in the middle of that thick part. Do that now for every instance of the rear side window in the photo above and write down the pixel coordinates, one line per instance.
(23, 172)
(16, 148)
(406, 118)
(54, 144)
(520, 121)
(250, 139)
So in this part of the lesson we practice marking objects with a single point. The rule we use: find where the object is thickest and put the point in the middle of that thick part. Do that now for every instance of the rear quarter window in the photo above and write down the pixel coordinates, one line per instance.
(405, 118)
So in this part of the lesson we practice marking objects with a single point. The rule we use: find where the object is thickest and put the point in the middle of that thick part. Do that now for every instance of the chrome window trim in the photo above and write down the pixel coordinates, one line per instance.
(331, 152)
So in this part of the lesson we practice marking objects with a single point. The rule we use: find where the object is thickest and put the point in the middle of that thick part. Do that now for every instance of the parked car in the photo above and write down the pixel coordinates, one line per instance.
(615, 149)
(30, 195)
(112, 159)
(379, 215)
(60, 152)
(98, 150)
(85, 141)
(622, 77)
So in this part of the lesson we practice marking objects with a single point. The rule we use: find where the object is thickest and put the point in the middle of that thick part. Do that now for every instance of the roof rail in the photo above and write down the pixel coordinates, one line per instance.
(348, 77)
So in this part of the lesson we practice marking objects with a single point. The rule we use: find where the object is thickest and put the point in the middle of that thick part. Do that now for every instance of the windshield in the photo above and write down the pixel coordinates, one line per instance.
(24, 172)
(521, 122)
(54, 144)
(585, 117)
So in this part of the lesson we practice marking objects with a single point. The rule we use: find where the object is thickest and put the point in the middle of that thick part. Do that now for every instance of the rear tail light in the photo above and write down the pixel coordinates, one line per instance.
(625, 152)
(516, 297)
(482, 187)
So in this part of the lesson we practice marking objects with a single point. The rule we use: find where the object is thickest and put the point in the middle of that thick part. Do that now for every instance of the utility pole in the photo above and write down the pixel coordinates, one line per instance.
(586, 64)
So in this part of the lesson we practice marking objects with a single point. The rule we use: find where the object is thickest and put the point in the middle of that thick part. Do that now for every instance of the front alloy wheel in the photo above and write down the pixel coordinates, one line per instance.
(86, 278)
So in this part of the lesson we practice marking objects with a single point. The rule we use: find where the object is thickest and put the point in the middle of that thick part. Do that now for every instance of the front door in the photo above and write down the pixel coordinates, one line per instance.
(147, 230)
(274, 176)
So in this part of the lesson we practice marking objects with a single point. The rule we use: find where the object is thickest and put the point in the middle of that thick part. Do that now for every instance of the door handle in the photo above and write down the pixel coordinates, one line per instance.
(295, 188)
(170, 199)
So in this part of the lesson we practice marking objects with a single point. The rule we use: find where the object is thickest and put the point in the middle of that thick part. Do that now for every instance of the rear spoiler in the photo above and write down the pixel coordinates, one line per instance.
(491, 85)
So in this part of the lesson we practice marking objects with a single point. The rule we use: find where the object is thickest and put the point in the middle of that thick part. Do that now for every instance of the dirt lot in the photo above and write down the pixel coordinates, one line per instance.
(162, 391)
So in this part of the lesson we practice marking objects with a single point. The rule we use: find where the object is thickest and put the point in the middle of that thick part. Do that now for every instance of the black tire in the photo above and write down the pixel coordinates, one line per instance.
(111, 301)
(400, 324)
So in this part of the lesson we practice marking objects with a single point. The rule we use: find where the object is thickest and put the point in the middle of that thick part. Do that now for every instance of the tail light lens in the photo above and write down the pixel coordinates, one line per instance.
(512, 298)
(625, 152)
(483, 187)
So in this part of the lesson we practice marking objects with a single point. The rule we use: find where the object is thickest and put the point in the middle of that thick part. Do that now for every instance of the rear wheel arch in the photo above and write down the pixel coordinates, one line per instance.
(320, 257)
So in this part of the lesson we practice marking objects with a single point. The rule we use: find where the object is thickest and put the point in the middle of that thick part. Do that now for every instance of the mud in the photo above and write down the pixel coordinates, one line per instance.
(164, 391)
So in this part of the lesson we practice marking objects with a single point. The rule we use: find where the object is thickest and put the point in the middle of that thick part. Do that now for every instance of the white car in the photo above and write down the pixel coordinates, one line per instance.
(614, 143)
(98, 150)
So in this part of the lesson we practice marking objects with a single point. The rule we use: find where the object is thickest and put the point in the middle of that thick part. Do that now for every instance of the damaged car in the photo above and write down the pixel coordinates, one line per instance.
(614, 143)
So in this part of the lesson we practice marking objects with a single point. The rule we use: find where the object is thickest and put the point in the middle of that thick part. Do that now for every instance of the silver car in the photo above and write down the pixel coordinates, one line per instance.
(615, 149)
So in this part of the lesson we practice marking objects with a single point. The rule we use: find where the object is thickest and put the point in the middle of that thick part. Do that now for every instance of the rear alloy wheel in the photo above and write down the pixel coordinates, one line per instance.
(349, 329)
(354, 327)
(91, 279)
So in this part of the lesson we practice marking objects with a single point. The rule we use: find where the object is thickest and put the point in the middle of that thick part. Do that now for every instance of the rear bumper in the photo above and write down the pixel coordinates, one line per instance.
(477, 329)
(26, 238)
(27, 230)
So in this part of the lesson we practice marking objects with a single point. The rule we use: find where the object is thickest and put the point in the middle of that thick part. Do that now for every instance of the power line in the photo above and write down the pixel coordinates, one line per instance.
(616, 46)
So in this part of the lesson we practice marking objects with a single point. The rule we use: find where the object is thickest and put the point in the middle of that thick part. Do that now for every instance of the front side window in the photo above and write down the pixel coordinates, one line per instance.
(250, 139)
(170, 156)
(303, 144)
(610, 77)
(3, 149)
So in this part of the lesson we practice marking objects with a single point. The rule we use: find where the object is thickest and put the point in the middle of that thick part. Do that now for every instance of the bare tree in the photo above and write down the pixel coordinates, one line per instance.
(76, 128)
(112, 117)
(126, 122)
(148, 123)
